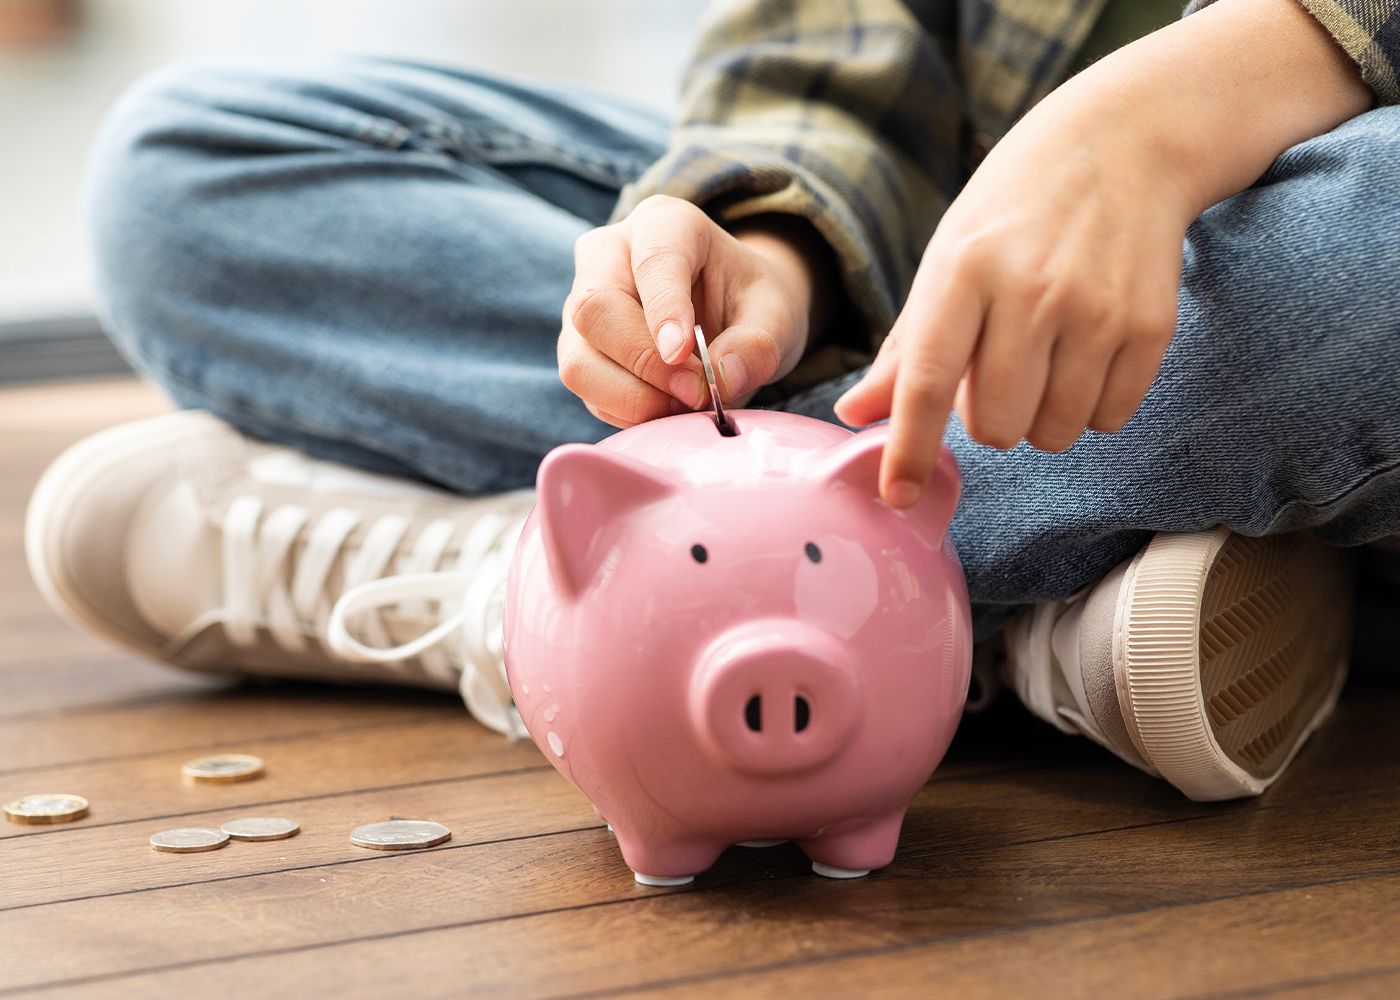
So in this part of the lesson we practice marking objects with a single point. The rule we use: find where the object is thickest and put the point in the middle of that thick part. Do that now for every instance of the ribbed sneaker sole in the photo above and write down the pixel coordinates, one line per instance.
(1229, 651)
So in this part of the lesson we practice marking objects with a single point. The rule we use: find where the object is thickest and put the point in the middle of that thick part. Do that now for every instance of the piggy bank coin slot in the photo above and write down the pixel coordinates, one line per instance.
(722, 422)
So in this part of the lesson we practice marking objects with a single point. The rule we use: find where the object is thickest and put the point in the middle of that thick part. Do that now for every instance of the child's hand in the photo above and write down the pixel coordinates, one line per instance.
(1042, 305)
(1047, 296)
(642, 284)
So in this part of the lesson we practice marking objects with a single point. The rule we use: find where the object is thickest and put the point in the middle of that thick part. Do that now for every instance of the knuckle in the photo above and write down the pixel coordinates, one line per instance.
(591, 242)
(635, 404)
(571, 367)
(653, 262)
(643, 358)
(764, 354)
(1035, 289)
(590, 308)
(665, 204)
(930, 379)
(1154, 326)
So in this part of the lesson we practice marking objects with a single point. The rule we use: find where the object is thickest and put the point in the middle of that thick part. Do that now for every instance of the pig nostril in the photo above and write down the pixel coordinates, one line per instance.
(802, 714)
(753, 713)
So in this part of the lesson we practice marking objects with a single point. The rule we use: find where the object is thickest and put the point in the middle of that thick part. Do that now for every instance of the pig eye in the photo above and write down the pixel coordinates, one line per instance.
(813, 553)
(699, 553)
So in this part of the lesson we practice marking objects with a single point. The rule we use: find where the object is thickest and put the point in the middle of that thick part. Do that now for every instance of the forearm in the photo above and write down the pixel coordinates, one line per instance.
(1214, 98)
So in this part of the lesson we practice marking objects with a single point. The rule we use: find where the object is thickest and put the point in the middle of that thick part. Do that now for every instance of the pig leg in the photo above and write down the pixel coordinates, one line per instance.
(666, 862)
(850, 851)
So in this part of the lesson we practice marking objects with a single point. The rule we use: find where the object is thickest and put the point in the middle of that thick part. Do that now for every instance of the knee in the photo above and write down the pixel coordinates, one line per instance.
(1304, 259)
(139, 185)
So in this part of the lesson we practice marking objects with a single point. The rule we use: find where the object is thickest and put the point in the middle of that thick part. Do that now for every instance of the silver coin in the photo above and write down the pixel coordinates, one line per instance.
(399, 835)
(50, 807)
(224, 767)
(189, 840)
(261, 828)
(720, 419)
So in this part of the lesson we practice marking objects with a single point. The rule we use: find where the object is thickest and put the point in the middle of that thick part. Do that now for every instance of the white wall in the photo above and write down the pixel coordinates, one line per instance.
(52, 99)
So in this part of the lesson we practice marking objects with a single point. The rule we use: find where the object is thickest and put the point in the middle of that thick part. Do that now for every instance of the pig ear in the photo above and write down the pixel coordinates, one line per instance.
(581, 488)
(855, 462)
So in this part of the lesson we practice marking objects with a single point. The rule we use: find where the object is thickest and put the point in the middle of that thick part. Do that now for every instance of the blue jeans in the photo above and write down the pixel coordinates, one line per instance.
(367, 260)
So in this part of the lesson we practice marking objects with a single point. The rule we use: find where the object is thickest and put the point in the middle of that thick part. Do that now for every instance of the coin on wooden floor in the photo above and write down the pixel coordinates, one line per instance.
(261, 828)
(224, 767)
(399, 835)
(189, 840)
(46, 808)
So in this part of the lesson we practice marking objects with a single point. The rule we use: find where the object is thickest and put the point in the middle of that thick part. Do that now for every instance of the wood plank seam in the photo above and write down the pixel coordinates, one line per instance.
(370, 856)
(903, 946)
(1297, 984)
(224, 744)
(59, 830)
(664, 899)
(1220, 814)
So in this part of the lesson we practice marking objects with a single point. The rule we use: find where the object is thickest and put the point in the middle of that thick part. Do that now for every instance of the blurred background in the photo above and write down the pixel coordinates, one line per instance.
(63, 62)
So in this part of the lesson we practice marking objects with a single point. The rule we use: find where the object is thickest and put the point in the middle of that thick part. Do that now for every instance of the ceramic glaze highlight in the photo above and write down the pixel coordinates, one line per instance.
(733, 639)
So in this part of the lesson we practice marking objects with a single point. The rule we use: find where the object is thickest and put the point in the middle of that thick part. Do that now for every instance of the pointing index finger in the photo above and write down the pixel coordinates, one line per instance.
(942, 321)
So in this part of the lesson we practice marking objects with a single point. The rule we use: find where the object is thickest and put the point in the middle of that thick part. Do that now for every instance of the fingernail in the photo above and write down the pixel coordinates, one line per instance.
(669, 340)
(685, 386)
(904, 493)
(731, 369)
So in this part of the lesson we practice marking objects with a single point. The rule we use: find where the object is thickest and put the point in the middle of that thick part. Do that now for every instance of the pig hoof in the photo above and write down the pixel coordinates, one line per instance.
(828, 871)
(610, 829)
(662, 881)
(761, 843)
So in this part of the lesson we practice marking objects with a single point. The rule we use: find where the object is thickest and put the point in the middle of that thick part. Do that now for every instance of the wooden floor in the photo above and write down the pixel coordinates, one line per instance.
(1032, 865)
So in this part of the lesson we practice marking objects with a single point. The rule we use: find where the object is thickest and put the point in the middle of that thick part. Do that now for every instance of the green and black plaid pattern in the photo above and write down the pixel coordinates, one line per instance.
(865, 117)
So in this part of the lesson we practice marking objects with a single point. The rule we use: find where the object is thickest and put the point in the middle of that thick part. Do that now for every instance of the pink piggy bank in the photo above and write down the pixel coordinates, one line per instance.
(733, 639)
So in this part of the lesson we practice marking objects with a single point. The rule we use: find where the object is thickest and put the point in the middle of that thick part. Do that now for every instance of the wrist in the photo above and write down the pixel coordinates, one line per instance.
(802, 262)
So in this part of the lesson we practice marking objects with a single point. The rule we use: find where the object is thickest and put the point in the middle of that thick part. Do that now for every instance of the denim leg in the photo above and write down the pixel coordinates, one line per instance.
(1277, 407)
(362, 258)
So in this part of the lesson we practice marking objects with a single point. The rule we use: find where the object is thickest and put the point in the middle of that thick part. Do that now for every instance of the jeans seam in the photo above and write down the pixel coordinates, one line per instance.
(496, 144)
(1325, 505)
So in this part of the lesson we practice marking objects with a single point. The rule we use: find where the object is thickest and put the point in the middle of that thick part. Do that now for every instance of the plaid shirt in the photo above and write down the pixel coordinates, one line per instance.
(866, 116)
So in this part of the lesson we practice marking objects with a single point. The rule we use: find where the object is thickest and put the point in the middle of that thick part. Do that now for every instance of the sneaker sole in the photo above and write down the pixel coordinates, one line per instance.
(1228, 652)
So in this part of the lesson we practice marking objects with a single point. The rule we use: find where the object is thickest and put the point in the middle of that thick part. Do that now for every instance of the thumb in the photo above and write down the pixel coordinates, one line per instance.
(761, 345)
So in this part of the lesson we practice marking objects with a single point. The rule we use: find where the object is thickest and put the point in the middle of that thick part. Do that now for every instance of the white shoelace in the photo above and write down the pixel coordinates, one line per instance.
(469, 595)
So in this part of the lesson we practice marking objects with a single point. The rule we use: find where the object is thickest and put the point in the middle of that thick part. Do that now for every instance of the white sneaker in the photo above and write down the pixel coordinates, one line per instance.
(185, 540)
(1208, 658)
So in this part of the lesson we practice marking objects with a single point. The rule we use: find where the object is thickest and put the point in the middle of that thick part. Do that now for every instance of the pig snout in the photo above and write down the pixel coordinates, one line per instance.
(775, 696)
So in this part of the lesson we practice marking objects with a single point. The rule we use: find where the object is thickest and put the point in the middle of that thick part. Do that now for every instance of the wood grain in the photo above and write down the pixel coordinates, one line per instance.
(375, 756)
(1033, 864)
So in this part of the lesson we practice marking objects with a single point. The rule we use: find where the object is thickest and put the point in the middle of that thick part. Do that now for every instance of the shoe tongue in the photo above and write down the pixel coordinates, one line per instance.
(173, 561)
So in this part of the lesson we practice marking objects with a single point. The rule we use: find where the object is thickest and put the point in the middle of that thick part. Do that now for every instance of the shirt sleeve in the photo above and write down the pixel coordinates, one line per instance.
(1367, 30)
(844, 114)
